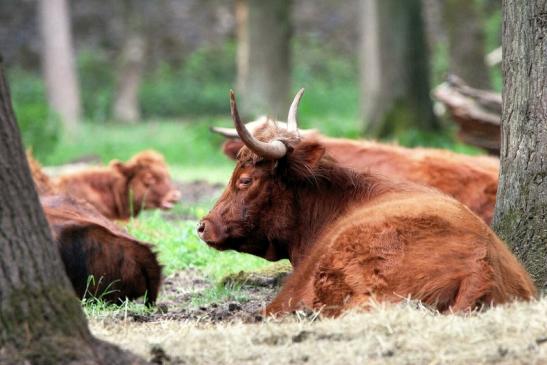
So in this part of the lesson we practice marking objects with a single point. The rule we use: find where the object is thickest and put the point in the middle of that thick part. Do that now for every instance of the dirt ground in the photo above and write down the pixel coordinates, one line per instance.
(177, 300)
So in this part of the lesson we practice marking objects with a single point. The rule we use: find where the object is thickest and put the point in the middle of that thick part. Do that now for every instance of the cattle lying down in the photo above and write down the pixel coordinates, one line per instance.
(473, 180)
(122, 190)
(90, 245)
(352, 237)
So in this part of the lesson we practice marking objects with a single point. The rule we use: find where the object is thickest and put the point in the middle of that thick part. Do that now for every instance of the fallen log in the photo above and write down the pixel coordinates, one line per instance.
(477, 113)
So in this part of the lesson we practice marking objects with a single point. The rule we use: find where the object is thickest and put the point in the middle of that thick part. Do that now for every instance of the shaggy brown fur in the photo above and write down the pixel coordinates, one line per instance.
(90, 245)
(352, 237)
(471, 180)
(121, 190)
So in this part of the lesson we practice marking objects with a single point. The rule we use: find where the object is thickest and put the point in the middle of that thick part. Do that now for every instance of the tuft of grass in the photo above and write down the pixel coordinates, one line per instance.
(98, 309)
(217, 294)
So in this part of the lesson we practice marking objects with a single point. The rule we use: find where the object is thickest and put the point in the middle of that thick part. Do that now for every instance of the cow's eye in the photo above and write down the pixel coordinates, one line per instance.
(244, 182)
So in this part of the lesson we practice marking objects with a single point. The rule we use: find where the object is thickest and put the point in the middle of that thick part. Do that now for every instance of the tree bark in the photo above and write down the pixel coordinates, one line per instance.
(394, 68)
(466, 42)
(41, 321)
(521, 208)
(126, 105)
(59, 63)
(263, 56)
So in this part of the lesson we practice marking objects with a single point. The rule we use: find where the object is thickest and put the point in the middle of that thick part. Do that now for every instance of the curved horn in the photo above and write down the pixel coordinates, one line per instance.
(273, 150)
(292, 124)
(251, 127)
(225, 132)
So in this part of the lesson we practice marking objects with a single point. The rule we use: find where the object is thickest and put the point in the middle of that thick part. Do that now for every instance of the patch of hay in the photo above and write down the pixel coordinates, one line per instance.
(387, 334)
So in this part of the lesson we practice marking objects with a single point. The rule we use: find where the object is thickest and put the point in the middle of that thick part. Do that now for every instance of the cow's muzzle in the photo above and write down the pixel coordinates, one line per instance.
(211, 233)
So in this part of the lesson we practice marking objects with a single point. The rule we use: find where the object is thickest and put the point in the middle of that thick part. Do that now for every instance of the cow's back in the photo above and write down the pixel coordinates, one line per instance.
(472, 180)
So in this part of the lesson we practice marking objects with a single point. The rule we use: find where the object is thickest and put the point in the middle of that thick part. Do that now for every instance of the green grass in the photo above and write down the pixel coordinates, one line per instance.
(179, 247)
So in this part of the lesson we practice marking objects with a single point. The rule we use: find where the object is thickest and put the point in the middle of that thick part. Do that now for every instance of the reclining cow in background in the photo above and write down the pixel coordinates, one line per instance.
(473, 180)
(100, 259)
(119, 265)
(355, 236)
(122, 190)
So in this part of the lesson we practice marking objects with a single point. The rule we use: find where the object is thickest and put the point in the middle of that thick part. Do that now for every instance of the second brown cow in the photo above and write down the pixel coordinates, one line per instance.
(122, 190)
(473, 180)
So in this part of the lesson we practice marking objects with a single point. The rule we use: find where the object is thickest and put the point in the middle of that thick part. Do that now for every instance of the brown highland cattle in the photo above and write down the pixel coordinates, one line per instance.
(473, 180)
(100, 259)
(122, 190)
(355, 236)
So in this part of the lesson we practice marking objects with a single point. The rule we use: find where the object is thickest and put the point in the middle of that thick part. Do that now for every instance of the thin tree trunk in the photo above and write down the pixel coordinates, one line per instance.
(59, 63)
(521, 208)
(41, 321)
(466, 42)
(126, 105)
(394, 68)
(263, 56)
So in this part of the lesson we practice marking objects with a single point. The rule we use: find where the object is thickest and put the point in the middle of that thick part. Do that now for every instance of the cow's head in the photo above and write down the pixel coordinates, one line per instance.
(149, 181)
(233, 143)
(256, 212)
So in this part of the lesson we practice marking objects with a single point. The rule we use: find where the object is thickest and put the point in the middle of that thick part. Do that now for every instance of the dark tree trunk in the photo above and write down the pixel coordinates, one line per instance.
(394, 68)
(41, 321)
(263, 56)
(466, 42)
(521, 209)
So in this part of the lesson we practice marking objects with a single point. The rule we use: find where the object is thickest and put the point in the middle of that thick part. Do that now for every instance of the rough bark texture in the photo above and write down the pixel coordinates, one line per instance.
(521, 209)
(58, 61)
(394, 68)
(466, 42)
(40, 318)
(263, 56)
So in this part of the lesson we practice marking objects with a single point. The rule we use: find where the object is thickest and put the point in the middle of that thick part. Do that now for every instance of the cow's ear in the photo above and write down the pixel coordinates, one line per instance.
(123, 168)
(304, 158)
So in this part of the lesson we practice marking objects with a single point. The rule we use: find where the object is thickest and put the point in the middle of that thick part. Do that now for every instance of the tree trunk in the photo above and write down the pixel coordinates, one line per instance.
(263, 56)
(394, 68)
(126, 105)
(466, 42)
(58, 62)
(521, 208)
(41, 321)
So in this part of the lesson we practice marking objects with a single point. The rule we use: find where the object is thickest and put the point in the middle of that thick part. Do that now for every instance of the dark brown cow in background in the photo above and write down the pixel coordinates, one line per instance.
(473, 180)
(122, 190)
(92, 246)
(355, 236)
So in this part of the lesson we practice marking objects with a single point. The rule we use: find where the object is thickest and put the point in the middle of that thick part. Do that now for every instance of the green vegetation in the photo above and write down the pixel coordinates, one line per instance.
(179, 247)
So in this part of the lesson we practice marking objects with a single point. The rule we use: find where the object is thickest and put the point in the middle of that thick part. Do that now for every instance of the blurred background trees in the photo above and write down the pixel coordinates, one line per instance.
(368, 66)
(394, 66)
(58, 60)
(264, 33)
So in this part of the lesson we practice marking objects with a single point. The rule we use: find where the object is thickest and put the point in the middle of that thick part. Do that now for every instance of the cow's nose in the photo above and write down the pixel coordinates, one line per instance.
(201, 228)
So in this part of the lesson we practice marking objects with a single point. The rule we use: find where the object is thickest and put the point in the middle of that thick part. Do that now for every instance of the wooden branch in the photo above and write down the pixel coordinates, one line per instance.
(477, 112)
